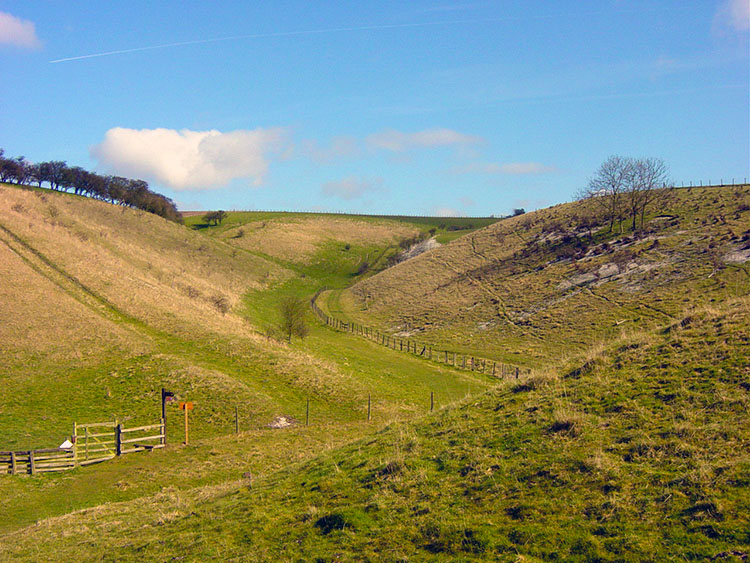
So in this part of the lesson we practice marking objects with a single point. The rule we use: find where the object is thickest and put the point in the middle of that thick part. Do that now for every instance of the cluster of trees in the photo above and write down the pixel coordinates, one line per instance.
(625, 187)
(114, 189)
(215, 217)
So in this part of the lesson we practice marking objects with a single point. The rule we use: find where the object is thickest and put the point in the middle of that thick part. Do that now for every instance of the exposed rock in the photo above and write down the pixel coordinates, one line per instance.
(282, 422)
(737, 256)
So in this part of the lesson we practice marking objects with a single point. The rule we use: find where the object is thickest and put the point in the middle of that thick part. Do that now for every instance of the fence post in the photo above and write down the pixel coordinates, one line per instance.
(493, 368)
(86, 430)
(32, 465)
(12, 463)
(74, 439)
(432, 400)
(118, 439)
(516, 373)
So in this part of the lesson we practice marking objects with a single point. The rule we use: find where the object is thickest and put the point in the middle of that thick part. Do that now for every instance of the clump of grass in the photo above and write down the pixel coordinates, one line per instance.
(221, 303)
(532, 383)
(567, 423)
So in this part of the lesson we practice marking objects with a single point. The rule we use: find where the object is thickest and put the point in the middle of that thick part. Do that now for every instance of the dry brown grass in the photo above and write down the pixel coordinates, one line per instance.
(146, 267)
(39, 319)
(299, 239)
(502, 289)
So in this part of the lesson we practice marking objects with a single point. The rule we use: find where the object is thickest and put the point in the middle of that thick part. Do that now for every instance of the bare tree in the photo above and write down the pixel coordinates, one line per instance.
(647, 178)
(608, 187)
(626, 187)
(293, 317)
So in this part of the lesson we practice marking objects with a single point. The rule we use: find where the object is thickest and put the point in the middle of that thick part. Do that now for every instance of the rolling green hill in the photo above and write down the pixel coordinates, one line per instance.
(110, 304)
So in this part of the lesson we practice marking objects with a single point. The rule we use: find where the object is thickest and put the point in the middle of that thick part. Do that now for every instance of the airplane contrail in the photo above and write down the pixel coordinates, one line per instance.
(328, 30)
(265, 35)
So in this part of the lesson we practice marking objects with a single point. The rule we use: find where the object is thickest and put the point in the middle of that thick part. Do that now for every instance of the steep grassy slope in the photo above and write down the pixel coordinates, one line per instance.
(539, 287)
(641, 453)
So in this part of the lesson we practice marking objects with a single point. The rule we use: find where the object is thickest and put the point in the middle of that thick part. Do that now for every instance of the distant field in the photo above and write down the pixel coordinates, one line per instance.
(445, 228)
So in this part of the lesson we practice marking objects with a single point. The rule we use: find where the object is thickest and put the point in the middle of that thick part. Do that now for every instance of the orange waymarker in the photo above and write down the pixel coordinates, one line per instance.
(186, 406)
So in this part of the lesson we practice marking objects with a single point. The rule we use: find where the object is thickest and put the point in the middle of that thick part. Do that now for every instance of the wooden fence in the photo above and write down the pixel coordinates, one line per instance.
(37, 461)
(92, 443)
(454, 359)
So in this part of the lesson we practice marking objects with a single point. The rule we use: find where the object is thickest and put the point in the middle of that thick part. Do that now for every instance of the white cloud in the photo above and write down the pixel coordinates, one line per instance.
(341, 147)
(398, 141)
(189, 160)
(17, 32)
(351, 187)
(733, 15)
(519, 168)
(511, 168)
(466, 201)
(478, 168)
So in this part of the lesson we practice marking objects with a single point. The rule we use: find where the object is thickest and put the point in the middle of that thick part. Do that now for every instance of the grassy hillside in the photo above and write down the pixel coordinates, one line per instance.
(110, 304)
(539, 287)
(323, 250)
(638, 454)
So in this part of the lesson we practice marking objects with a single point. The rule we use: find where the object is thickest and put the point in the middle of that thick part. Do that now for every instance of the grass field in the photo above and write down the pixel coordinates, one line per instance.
(644, 445)
(86, 343)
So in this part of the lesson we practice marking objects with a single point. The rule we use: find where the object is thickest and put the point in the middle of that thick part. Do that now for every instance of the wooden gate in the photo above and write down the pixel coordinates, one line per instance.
(94, 442)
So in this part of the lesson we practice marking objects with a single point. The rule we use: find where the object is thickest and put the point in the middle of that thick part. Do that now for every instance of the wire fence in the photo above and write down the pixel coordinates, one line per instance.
(421, 349)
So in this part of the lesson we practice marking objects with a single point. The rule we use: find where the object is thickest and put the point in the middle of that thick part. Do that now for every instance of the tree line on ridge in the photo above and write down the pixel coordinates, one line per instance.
(113, 189)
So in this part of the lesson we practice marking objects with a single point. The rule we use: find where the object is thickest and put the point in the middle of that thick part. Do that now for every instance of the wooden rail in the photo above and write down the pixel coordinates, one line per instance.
(36, 461)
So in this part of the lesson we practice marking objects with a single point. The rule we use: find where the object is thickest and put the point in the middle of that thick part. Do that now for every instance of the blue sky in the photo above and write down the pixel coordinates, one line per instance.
(467, 108)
